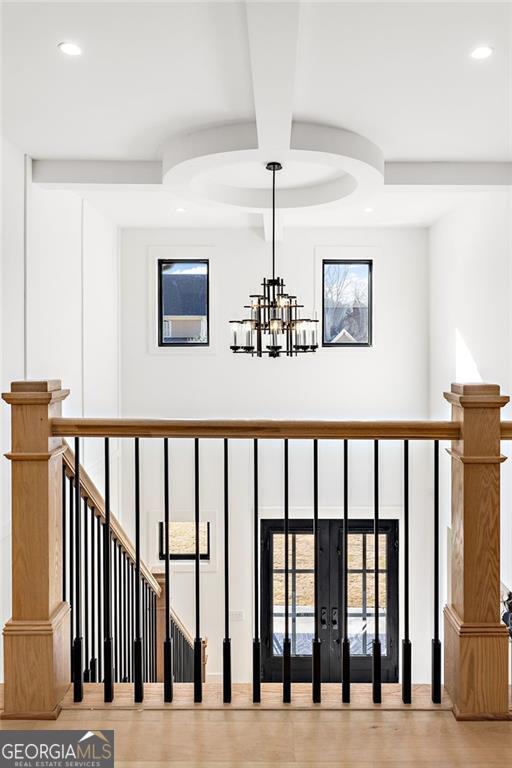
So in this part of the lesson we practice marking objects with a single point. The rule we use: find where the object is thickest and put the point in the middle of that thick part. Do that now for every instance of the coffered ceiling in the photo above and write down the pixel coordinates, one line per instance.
(398, 74)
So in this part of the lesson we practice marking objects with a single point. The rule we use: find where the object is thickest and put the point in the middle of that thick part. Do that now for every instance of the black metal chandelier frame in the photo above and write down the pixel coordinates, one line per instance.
(274, 327)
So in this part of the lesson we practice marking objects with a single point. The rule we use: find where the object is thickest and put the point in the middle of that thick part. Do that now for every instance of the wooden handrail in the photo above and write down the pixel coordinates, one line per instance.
(506, 430)
(89, 490)
(244, 429)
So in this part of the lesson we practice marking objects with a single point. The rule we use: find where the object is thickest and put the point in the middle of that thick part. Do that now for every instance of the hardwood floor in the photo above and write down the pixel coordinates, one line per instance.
(292, 738)
(271, 698)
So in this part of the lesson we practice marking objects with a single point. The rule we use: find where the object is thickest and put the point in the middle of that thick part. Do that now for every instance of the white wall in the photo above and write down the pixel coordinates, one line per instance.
(389, 380)
(69, 265)
(471, 316)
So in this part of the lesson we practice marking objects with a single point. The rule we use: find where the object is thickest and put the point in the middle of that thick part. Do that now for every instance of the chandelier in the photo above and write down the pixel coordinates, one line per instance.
(275, 326)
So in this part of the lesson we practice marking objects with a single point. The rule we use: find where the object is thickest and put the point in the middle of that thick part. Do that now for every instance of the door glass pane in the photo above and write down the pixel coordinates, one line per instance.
(301, 596)
(370, 550)
(361, 593)
(355, 550)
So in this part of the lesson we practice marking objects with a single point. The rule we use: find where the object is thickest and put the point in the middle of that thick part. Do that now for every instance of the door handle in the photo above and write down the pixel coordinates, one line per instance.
(323, 618)
(334, 618)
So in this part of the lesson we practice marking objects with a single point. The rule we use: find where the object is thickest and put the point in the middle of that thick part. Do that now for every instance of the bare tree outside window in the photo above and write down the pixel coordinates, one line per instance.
(347, 303)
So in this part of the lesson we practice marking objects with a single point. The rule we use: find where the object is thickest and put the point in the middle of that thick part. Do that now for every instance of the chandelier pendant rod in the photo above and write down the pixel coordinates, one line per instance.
(273, 223)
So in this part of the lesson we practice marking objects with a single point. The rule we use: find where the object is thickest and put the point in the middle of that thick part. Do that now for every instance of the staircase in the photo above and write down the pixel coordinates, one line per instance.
(92, 587)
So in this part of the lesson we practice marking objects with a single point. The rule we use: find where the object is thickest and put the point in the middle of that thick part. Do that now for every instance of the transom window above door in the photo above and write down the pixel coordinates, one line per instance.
(183, 302)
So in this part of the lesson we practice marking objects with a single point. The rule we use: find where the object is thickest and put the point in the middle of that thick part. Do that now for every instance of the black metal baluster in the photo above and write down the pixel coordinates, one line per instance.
(317, 646)
(93, 671)
(78, 687)
(376, 647)
(256, 643)
(87, 676)
(137, 643)
(115, 586)
(345, 650)
(64, 532)
(168, 645)
(198, 684)
(146, 633)
(150, 633)
(436, 643)
(71, 569)
(143, 631)
(126, 625)
(154, 637)
(406, 642)
(132, 630)
(122, 634)
(287, 688)
(99, 561)
(108, 679)
(226, 647)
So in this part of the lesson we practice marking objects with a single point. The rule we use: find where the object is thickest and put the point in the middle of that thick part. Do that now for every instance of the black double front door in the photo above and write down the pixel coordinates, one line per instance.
(361, 590)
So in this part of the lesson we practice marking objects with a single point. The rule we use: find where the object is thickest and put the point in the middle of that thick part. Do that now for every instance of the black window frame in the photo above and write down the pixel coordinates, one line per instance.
(169, 345)
(369, 343)
(182, 556)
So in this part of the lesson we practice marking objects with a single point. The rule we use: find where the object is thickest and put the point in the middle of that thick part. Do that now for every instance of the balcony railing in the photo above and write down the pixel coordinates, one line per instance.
(128, 639)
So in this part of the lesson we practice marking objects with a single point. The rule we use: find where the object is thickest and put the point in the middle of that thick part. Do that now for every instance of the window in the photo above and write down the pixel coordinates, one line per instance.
(183, 303)
(182, 540)
(347, 303)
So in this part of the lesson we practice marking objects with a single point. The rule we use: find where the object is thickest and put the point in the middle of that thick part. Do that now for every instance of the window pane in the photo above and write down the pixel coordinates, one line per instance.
(370, 550)
(370, 590)
(301, 593)
(182, 540)
(305, 552)
(346, 302)
(183, 302)
(355, 550)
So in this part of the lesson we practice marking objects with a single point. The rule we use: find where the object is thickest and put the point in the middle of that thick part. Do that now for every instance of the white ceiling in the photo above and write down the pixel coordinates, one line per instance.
(398, 73)
(402, 77)
(147, 71)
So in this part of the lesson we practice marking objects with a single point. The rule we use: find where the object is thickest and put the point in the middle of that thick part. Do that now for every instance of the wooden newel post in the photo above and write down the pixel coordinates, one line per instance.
(36, 637)
(476, 642)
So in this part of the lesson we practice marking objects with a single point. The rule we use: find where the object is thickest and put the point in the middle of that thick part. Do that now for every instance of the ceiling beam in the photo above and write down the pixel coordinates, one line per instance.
(448, 173)
(69, 173)
(96, 172)
(273, 31)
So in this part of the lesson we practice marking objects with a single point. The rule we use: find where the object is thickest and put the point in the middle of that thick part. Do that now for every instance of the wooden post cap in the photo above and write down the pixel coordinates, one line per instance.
(475, 389)
(479, 395)
(35, 392)
(50, 385)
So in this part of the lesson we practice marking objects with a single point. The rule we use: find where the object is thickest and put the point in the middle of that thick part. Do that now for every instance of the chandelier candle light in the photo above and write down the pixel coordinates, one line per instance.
(275, 327)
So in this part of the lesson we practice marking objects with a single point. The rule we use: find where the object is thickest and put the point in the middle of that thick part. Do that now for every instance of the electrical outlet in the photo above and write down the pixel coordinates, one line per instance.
(237, 615)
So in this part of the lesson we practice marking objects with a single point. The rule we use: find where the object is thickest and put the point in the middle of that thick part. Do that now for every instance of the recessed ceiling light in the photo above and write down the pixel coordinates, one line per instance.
(180, 210)
(70, 49)
(482, 52)
(368, 210)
